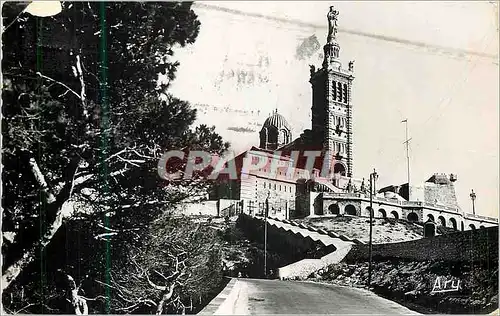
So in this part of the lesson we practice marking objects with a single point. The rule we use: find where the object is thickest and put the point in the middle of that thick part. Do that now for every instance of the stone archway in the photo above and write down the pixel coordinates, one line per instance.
(339, 168)
(334, 209)
(431, 217)
(412, 217)
(441, 221)
(350, 210)
(368, 211)
(429, 229)
(453, 223)
(472, 226)
(395, 214)
(382, 213)
(482, 227)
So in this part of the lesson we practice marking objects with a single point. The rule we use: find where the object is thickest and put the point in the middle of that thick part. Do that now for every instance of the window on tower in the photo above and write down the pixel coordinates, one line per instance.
(339, 91)
(334, 85)
(344, 93)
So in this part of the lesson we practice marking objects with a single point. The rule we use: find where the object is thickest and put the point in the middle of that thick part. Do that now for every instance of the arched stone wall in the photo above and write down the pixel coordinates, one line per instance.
(441, 221)
(382, 213)
(412, 217)
(350, 210)
(334, 209)
(395, 215)
(367, 212)
(453, 223)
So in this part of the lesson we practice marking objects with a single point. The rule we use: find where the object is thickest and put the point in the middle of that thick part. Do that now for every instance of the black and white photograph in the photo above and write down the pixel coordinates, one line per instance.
(250, 157)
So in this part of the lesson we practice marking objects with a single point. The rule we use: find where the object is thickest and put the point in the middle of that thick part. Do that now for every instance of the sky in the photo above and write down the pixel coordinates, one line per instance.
(245, 64)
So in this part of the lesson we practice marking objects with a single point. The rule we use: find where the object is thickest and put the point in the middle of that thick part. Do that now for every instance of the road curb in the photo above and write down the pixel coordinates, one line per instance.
(220, 299)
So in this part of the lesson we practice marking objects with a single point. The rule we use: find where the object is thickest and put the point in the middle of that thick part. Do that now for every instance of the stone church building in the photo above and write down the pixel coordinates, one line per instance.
(309, 191)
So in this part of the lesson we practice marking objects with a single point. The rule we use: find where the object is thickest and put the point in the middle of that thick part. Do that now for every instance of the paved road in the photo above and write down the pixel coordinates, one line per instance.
(292, 297)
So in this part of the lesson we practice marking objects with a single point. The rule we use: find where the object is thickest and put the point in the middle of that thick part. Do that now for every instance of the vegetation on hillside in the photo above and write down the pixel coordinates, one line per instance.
(410, 283)
(385, 230)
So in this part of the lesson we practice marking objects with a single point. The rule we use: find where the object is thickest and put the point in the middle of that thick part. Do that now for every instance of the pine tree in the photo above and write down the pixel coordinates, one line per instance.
(85, 122)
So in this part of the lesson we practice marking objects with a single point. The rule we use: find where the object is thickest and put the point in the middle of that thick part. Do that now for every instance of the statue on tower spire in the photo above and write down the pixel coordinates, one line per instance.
(332, 48)
(332, 24)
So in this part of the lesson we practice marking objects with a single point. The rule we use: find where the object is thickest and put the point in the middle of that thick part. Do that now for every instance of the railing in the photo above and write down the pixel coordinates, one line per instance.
(445, 207)
(396, 202)
(344, 195)
(487, 218)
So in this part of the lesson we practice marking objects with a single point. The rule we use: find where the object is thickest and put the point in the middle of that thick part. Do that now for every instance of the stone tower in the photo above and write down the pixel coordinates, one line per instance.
(331, 104)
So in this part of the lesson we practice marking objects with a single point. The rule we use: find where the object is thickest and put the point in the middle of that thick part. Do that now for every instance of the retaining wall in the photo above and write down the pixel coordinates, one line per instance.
(472, 245)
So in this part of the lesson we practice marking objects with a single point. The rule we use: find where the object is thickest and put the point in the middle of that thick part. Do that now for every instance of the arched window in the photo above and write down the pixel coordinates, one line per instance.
(283, 136)
(344, 93)
(339, 91)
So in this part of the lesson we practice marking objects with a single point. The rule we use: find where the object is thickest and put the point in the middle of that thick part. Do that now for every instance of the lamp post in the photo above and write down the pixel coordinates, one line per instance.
(265, 233)
(473, 198)
(373, 177)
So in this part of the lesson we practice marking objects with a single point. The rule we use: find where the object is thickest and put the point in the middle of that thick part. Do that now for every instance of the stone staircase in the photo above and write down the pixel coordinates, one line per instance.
(303, 268)
(328, 185)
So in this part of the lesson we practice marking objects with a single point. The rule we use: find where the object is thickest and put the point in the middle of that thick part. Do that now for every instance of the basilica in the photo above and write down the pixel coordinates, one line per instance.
(311, 192)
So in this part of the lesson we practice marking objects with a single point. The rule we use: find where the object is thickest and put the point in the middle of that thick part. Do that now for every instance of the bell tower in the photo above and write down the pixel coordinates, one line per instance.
(332, 103)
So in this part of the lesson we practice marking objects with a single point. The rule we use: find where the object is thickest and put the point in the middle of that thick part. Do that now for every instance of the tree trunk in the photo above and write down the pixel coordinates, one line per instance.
(79, 303)
(164, 299)
(13, 271)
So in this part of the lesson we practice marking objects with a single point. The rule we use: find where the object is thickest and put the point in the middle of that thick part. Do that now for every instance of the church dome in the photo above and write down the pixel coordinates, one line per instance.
(277, 121)
(275, 132)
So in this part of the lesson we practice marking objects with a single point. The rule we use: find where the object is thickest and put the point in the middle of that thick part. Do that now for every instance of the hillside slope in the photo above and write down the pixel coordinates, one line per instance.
(385, 230)
(410, 283)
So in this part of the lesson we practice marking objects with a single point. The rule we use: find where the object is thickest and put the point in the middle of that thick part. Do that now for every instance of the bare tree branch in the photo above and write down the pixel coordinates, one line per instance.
(60, 83)
(157, 287)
